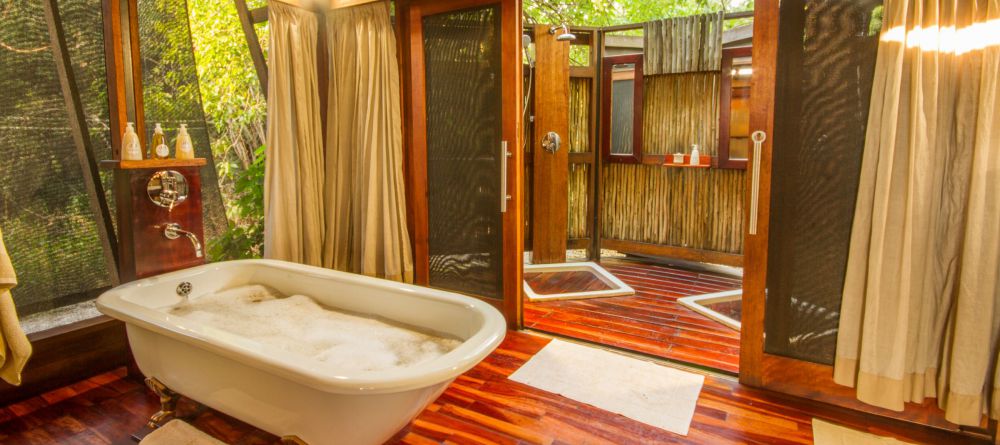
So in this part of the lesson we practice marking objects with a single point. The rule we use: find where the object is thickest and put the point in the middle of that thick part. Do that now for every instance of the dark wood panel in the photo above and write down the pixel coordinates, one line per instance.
(152, 251)
(482, 406)
(69, 353)
(548, 283)
(550, 169)
(683, 253)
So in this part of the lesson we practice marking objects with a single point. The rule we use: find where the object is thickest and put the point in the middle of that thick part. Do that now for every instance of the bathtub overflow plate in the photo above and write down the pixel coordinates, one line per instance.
(184, 289)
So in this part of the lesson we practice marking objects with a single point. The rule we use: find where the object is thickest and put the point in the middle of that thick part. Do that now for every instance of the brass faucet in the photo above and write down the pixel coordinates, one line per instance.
(174, 231)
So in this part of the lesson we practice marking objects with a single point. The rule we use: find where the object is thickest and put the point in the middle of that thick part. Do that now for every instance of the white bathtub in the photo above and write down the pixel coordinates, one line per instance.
(288, 394)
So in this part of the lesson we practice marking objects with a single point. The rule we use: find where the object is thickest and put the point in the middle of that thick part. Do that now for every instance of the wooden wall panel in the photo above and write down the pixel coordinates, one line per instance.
(687, 208)
(692, 208)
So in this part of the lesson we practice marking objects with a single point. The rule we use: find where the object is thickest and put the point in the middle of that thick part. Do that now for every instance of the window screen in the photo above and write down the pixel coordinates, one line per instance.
(463, 81)
(171, 93)
(49, 228)
(826, 59)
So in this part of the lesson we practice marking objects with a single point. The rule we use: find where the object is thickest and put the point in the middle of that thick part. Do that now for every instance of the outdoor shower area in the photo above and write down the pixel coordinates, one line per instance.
(635, 184)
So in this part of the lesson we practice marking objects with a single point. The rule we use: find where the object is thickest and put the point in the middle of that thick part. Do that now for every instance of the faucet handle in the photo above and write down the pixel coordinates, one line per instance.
(173, 231)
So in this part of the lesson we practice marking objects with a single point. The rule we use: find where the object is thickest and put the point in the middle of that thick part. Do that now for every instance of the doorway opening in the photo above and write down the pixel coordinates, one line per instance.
(636, 182)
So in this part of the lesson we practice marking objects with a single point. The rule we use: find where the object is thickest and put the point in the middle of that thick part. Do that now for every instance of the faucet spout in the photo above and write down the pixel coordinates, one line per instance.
(174, 231)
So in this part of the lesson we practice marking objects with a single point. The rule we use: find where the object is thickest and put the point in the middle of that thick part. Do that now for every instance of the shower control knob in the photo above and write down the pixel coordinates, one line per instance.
(551, 142)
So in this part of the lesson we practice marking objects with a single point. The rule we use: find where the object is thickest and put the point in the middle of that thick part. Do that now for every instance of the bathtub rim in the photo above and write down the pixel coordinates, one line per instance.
(301, 369)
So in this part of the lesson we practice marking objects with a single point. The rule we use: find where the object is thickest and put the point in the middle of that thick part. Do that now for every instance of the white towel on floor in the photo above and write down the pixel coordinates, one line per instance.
(650, 393)
(178, 432)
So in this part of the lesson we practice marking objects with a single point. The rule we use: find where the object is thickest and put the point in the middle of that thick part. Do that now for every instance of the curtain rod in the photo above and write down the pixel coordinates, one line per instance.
(631, 26)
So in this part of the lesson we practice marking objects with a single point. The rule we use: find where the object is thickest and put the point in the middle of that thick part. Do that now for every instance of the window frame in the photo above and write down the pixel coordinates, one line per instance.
(607, 67)
(725, 107)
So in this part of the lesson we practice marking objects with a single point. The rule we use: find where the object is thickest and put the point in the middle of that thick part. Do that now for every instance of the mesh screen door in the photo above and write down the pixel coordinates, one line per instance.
(826, 61)
(462, 51)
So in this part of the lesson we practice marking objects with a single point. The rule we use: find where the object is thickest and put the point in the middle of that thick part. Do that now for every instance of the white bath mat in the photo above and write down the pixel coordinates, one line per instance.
(178, 432)
(656, 395)
(826, 433)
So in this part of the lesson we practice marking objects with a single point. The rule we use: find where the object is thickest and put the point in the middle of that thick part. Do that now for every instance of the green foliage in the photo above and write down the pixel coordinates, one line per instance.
(246, 204)
(236, 110)
(620, 12)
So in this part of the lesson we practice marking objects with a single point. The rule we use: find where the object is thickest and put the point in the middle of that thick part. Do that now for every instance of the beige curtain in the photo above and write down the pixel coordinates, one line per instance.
(338, 203)
(366, 231)
(682, 44)
(14, 346)
(921, 310)
(293, 177)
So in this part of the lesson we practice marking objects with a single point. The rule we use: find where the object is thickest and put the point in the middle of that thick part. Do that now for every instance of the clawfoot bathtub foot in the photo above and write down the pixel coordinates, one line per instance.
(168, 402)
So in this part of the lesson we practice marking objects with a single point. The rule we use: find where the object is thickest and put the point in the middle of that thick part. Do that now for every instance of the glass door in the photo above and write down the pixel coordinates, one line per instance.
(461, 81)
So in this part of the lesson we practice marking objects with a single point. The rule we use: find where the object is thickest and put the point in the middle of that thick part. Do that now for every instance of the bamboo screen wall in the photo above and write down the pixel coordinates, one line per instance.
(579, 142)
(693, 208)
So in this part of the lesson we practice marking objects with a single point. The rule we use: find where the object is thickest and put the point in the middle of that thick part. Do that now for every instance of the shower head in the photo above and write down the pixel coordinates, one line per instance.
(566, 36)
(529, 50)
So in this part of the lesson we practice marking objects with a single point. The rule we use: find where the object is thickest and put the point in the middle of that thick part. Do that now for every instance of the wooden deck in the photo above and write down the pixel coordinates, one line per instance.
(481, 407)
(651, 321)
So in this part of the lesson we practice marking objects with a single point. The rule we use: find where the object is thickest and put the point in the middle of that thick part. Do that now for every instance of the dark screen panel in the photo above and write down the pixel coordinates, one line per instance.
(622, 109)
(826, 59)
(48, 226)
(463, 83)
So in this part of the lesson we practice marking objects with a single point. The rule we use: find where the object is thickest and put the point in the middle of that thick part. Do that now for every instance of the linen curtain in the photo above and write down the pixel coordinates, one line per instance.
(682, 44)
(337, 200)
(921, 310)
(294, 158)
(366, 230)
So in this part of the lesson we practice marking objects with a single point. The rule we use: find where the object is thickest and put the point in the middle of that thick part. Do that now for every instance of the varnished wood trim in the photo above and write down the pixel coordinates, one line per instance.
(684, 253)
(607, 66)
(152, 164)
(114, 63)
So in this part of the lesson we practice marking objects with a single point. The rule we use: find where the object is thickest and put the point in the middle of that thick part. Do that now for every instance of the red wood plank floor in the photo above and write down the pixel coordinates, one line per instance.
(481, 407)
(651, 321)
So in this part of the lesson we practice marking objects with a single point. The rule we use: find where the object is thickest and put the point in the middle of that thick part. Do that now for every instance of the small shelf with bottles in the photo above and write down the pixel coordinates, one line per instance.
(684, 161)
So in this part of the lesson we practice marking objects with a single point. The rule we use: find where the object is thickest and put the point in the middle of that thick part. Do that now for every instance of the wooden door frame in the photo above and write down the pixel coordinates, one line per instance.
(410, 38)
(757, 367)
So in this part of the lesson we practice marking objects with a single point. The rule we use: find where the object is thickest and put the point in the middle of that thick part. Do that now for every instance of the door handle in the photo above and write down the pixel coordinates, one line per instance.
(758, 137)
(504, 156)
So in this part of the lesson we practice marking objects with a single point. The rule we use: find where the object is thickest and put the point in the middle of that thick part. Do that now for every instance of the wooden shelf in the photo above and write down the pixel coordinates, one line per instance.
(703, 162)
(152, 164)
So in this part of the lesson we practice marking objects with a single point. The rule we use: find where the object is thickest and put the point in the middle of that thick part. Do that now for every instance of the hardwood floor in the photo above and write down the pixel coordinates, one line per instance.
(480, 407)
(651, 321)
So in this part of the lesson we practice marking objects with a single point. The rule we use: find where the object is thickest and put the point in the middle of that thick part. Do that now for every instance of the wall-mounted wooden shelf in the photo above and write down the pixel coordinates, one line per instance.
(152, 164)
(703, 162)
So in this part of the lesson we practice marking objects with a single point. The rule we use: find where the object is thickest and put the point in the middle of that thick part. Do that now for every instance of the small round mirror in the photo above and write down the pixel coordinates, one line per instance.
(167, 188)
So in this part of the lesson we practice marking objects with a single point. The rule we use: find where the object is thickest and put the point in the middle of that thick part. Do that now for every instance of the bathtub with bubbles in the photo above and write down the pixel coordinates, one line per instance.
(294, 395)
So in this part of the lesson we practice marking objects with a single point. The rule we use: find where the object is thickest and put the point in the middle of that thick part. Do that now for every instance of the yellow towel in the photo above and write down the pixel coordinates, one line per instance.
(14, 346)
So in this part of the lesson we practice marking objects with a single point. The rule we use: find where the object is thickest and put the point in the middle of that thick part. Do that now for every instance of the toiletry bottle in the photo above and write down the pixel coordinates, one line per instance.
(695, 156)
(184, 148)
(131, 150)
(160, 149)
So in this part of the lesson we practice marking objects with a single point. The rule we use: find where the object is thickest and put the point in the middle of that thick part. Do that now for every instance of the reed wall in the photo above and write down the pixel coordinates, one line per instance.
(681, 207)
